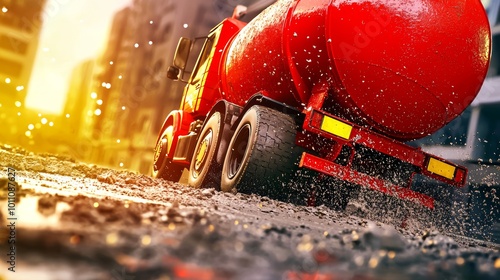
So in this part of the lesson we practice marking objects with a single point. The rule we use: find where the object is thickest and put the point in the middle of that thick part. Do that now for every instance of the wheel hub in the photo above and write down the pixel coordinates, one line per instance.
(160, 147)
(202, 152)
(238, 151)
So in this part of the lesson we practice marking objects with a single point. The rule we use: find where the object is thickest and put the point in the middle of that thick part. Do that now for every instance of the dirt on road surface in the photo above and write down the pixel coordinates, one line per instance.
(68, 220)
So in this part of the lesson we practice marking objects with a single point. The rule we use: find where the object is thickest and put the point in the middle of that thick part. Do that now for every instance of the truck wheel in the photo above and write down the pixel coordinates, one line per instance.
(204, 170)
(262, 156)
(163, 166)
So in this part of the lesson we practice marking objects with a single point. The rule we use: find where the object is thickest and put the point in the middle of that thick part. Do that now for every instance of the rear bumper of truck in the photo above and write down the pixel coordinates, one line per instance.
(343, 150)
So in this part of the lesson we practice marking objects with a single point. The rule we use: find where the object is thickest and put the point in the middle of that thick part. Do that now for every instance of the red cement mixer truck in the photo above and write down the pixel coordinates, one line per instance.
(316, 97)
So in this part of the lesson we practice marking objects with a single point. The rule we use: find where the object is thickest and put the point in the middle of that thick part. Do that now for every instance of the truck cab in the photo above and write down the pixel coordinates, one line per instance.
(178, 133)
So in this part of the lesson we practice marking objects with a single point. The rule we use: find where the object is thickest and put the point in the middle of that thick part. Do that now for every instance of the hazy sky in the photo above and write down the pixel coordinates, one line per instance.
(73, 30)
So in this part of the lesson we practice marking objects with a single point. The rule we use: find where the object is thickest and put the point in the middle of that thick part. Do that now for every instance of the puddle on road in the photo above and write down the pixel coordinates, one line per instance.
(67, 186)
(38, 208)
(50, 270)
(30, 215)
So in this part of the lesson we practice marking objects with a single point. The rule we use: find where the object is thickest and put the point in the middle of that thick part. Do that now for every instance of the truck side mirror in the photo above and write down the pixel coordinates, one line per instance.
(173, 73)
(182, 53)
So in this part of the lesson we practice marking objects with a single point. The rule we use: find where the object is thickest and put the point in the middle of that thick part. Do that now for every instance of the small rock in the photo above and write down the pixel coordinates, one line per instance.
(172, 212)
(208, 192)
(4, 183)
(106, 207)
(106, 178)
(130, 180)
(47, 202)
(178, 219)
(6, 147)
(35, 166)
(147, 215)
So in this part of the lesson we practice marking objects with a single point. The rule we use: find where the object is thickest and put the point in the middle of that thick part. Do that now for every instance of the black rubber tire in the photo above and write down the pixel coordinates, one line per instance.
(262, 157)
(205, 172)
(166, 169)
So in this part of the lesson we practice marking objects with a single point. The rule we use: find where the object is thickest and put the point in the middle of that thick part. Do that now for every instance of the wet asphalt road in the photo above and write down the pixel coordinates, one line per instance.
(78, 221)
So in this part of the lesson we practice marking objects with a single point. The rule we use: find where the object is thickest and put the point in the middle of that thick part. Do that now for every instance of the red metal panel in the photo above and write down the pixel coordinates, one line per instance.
(388, 146)
(408, 67)
(181, 122)
(255, 61)
(372, 140)
(402, 68)
(346, 174)
(380, 143)
(305, 46)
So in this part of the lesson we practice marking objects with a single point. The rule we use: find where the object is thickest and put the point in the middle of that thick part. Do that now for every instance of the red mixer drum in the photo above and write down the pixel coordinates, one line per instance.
(404, 68)
(408, 67)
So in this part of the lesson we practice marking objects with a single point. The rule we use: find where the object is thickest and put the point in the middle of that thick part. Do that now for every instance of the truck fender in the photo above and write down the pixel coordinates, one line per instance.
(230, 112)
(180, 122)
(261, 99)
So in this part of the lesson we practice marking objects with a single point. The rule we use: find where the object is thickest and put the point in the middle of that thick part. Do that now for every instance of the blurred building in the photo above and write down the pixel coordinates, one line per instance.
(61, 134)
(20, 26)
(149, 95)
(106, 90)
(78, 98)
(110, 70)
(131, 76)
